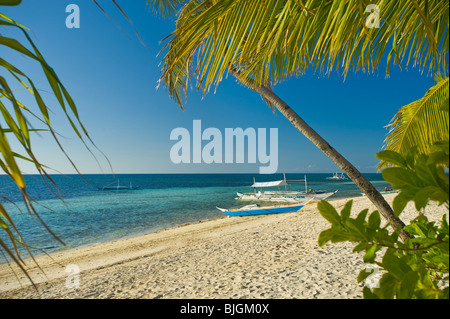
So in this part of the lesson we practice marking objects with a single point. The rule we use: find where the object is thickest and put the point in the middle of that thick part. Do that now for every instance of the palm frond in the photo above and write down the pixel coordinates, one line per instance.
(166, 7)
(270, 40)
(421, 123)
(16, 131)
(10, 2)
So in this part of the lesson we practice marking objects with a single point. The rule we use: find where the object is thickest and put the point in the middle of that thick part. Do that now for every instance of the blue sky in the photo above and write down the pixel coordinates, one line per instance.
(112, 78)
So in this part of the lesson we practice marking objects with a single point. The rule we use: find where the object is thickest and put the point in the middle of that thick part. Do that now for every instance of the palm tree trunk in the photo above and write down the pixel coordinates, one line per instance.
(375, 197)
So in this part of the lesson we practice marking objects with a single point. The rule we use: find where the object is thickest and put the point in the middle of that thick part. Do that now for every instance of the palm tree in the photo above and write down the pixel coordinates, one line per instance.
(264, 42)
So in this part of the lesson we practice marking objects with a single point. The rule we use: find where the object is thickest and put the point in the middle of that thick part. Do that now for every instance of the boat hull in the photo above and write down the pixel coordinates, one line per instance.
(262, 210)
(384, 192)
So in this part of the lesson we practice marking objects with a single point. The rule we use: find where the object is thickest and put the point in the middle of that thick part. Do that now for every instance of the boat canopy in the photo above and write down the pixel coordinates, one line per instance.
(270, 184)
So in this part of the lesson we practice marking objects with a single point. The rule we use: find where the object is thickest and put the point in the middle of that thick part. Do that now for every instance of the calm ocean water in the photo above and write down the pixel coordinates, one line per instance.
(89, 215)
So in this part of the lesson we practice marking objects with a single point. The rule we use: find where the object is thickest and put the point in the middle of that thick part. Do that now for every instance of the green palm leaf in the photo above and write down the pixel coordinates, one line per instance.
(270, 40)
(15, 116)
(10, 2)
(166, 7)
(421, 123)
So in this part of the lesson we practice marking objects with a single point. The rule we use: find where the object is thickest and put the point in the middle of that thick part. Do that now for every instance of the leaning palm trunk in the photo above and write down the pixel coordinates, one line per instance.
(375, 197)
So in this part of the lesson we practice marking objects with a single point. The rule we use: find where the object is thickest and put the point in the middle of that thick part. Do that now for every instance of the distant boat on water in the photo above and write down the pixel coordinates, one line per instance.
(338, 177)
(385, 192)
(118, 187)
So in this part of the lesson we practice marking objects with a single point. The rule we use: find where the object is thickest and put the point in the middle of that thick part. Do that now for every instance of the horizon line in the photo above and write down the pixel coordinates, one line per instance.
(162, 173)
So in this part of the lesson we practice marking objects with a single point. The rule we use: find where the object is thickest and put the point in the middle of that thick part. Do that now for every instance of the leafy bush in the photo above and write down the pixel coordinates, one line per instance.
(417, 267)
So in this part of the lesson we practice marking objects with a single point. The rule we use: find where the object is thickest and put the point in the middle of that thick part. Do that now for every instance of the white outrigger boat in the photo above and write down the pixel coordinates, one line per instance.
(337, 177)
(385, 192)
(255, 209)
(283, 196)
(118, 187)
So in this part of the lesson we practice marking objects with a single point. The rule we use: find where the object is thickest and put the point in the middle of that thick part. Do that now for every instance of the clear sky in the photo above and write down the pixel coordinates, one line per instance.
(112, 78)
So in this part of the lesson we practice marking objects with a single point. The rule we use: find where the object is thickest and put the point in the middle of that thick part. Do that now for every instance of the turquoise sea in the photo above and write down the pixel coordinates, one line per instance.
(89, 215)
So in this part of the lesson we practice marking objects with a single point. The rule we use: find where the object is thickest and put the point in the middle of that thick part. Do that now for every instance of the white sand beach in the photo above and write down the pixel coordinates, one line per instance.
(271, 256)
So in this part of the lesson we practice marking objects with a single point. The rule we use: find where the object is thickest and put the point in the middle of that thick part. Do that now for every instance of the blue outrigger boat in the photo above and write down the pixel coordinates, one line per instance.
(255, 209)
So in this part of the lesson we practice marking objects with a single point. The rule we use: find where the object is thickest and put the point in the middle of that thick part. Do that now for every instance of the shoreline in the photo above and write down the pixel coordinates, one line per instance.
(267, 256)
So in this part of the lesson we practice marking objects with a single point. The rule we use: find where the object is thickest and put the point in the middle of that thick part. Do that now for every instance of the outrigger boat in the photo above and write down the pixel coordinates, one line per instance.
(283, 196)
(393, 191)
(118, 187)
(337, 177)
(255, 209)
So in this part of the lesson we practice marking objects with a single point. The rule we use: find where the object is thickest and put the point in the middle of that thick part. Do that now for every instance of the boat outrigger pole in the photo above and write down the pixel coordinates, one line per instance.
(298, 180)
